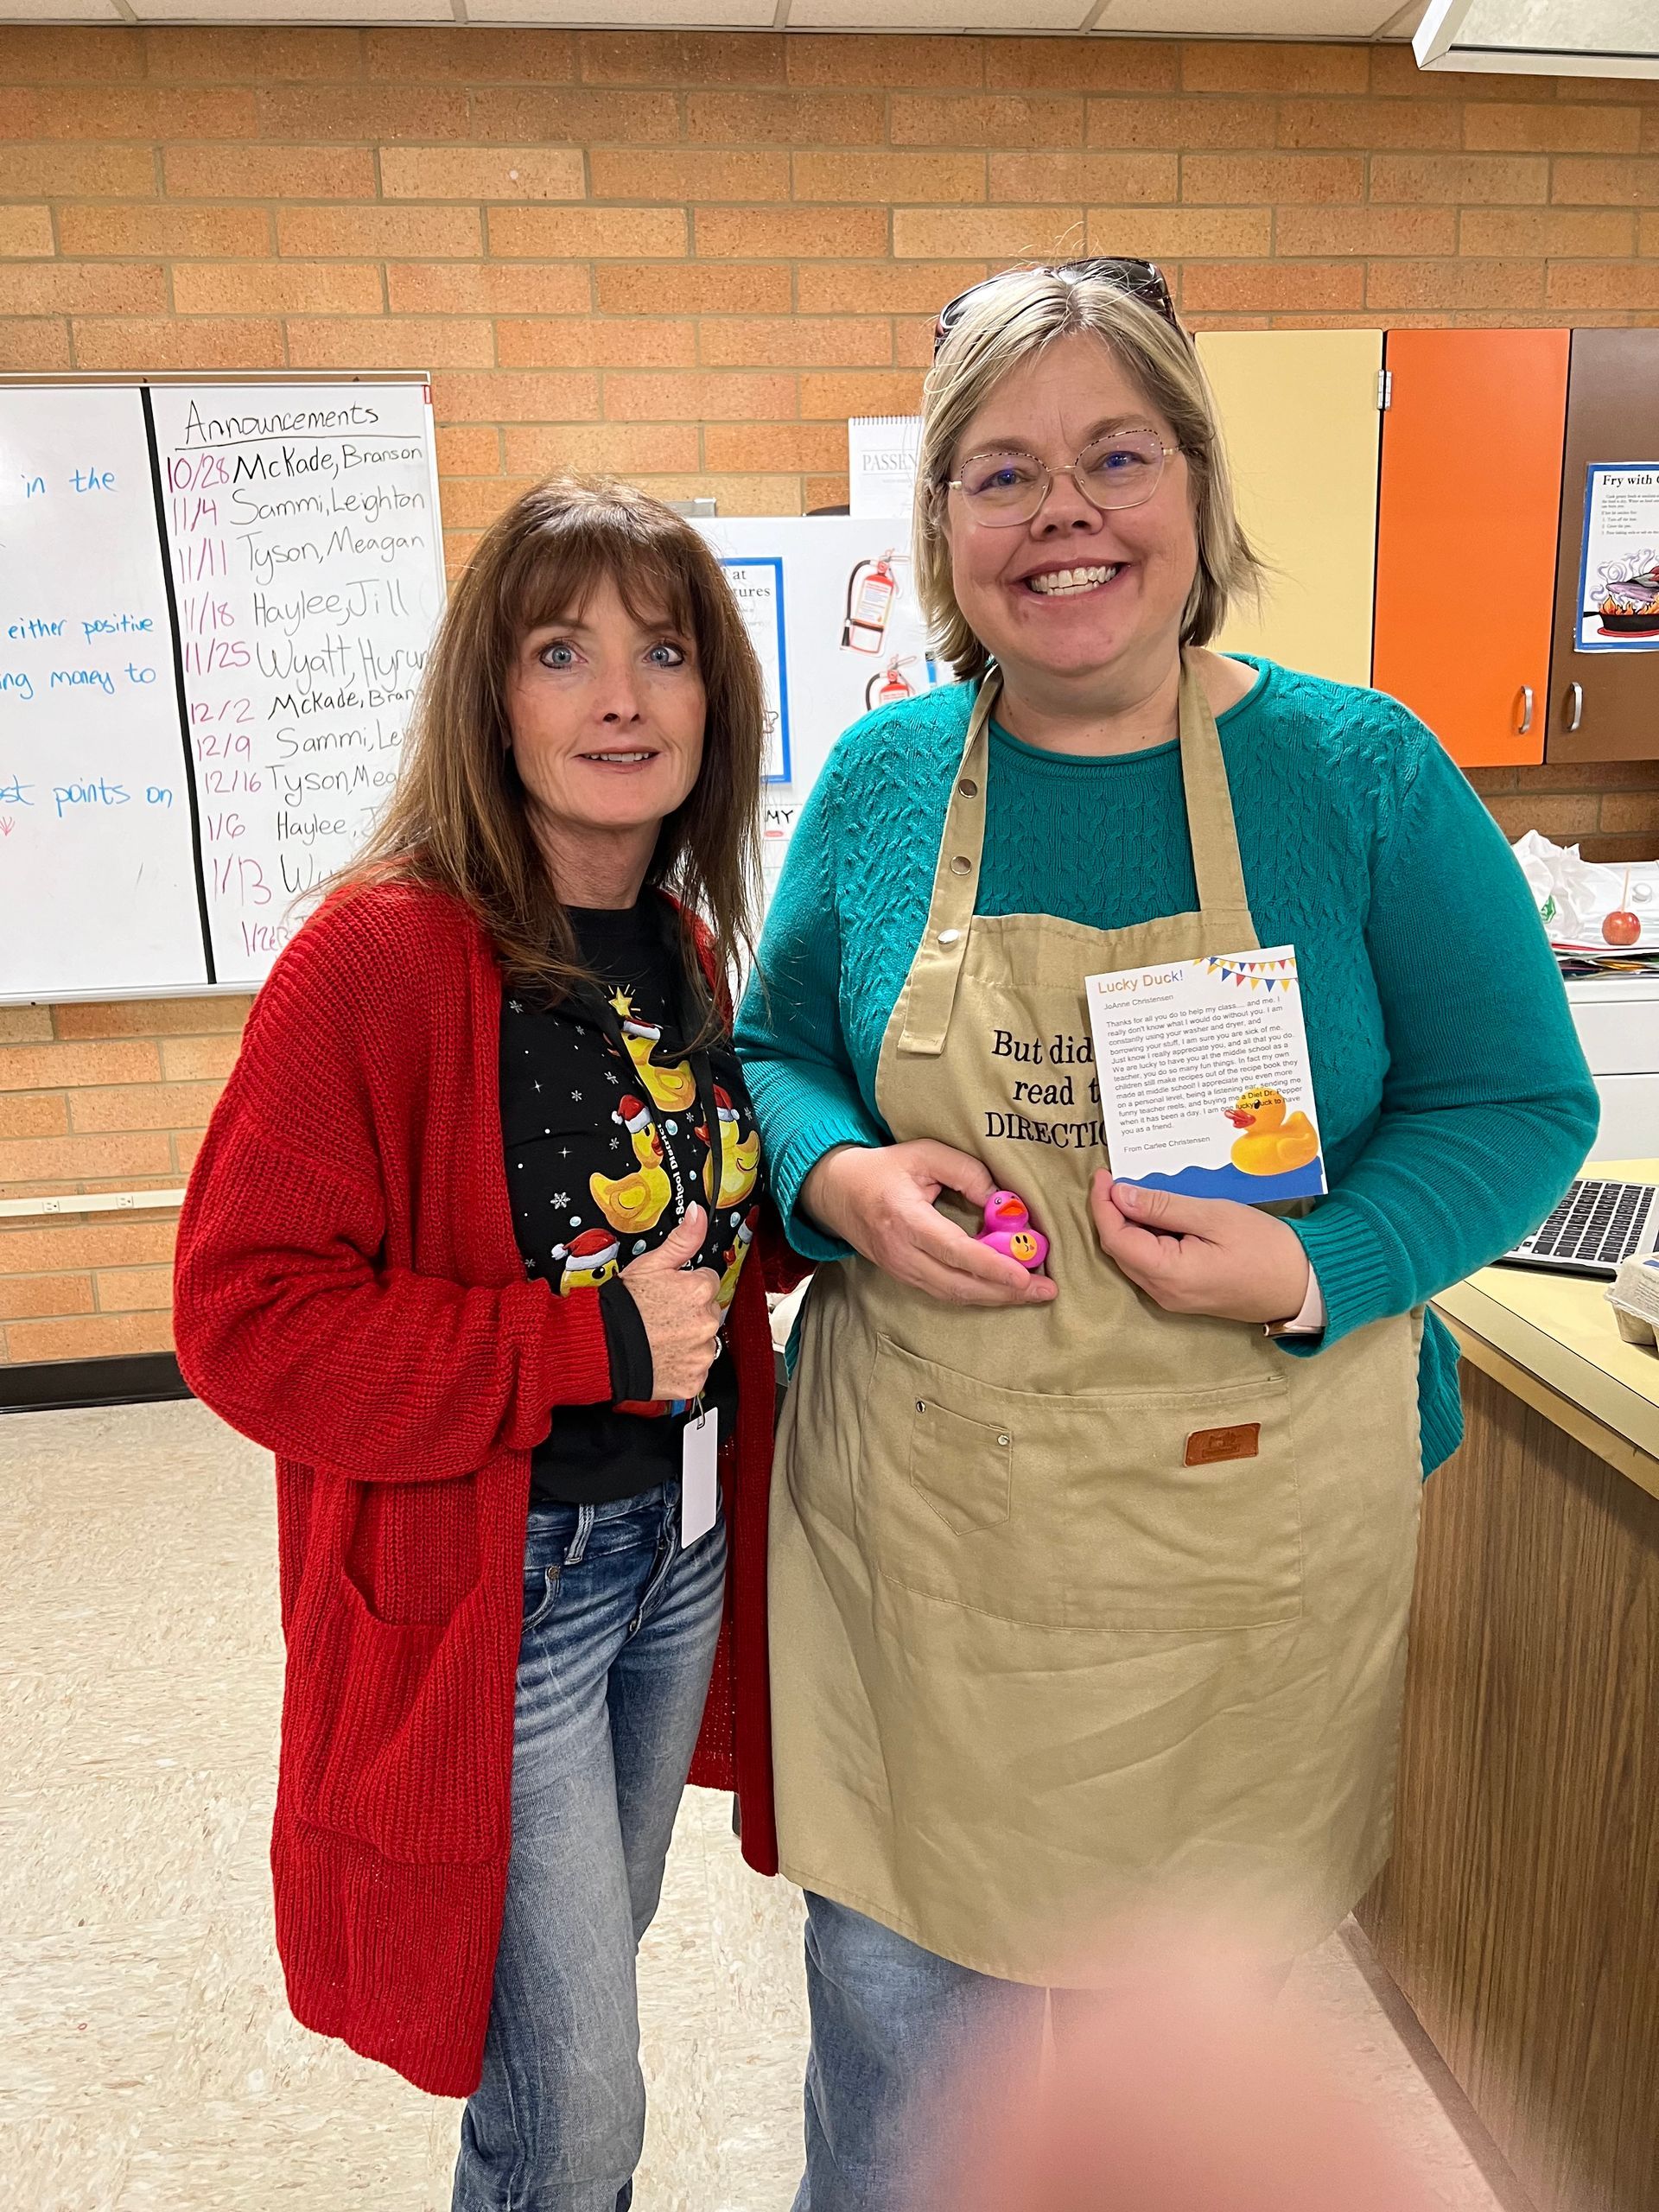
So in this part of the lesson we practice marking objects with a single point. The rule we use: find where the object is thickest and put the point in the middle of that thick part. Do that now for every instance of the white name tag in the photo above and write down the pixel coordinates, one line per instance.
(699, 1479)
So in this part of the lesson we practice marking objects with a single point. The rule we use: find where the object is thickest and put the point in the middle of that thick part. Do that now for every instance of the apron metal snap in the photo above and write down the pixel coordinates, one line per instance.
(967, 788)
(962, 865)
(1005, 1439)
(949, 937)
(921, 1405)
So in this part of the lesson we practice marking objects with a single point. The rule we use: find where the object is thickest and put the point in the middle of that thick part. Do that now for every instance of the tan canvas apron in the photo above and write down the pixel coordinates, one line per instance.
(1029, 1668)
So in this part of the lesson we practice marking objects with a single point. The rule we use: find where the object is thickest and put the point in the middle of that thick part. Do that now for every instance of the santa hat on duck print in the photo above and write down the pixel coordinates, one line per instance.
(635, 1025)
(724, 1110)
(589, 1260)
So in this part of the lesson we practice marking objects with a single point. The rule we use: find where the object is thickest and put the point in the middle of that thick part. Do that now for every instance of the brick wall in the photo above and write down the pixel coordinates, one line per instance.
(689, 259)
(106, 1098)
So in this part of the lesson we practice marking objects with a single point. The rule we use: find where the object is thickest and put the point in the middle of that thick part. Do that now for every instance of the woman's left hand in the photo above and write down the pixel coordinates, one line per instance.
(1201, 1255)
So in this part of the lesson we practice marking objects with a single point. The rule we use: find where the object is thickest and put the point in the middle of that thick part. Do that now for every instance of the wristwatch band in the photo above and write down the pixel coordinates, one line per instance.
(1309, 1321)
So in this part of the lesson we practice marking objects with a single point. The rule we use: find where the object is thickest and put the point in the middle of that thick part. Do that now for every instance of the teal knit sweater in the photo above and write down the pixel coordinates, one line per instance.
(1453, 1098)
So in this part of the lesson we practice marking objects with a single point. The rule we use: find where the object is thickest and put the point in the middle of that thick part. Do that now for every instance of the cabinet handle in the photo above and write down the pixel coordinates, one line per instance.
(1575, 694)
(1526, 709)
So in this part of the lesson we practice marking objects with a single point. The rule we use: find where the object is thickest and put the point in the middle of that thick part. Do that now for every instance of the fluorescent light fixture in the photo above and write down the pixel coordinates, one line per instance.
(1539, 38)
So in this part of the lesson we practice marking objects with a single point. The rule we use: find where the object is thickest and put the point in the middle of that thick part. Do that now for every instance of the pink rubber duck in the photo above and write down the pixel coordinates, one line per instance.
(1008, 1230)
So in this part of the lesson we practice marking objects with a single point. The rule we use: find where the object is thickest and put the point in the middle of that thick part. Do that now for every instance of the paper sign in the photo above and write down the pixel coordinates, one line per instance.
(758, 587)
(881, 464)
(1205, 1082)
(699, 1479)
(1618, 576)
(853, 638)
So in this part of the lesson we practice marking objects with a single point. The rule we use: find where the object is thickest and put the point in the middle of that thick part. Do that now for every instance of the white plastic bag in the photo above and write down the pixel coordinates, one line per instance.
(1574, 896)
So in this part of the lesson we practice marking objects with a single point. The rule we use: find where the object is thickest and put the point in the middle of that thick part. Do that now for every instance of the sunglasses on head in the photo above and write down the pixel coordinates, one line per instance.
(1143, 280)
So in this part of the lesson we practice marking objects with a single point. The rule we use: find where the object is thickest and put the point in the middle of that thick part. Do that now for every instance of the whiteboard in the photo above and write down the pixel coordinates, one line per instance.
(308, 566)
(216, 601)
(98, 874)
(840, 631)
(283, 543)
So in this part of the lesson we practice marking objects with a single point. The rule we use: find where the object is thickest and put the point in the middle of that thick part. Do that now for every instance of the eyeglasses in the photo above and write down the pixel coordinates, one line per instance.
(1003, 486)
(1143, 280)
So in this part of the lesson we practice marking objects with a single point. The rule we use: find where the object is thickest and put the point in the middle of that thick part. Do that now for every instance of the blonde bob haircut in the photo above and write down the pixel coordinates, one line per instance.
(1009, 322)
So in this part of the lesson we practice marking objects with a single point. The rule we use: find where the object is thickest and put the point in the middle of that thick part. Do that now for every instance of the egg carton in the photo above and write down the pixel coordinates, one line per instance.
(1634, 1297)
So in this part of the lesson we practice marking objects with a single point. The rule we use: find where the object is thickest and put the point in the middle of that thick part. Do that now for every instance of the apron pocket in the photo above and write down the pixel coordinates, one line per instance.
(1143, 1510)
(963, 1469)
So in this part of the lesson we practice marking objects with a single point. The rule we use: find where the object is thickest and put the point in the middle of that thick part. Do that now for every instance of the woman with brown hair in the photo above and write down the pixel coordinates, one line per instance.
(464, 1247)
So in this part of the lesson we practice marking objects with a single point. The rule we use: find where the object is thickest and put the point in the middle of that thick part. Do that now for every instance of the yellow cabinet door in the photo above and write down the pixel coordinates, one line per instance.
(1298, 409)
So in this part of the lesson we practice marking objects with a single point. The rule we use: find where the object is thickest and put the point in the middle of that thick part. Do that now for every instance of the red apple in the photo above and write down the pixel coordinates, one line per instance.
(1622, 927)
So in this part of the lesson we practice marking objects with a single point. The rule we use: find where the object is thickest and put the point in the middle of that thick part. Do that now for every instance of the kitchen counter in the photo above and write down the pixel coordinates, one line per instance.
(1517, 1912)
(1557, 1334)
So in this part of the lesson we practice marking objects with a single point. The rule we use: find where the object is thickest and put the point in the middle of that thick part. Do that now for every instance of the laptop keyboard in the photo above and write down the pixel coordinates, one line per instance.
(1597, 1224)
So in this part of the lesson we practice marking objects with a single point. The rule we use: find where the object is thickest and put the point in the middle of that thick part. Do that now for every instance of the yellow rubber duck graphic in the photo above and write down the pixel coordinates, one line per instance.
(1270, 1144)
(734, 1257)
(589, 1260)
(740, 1161)
(638, 1201)
(674, 1088)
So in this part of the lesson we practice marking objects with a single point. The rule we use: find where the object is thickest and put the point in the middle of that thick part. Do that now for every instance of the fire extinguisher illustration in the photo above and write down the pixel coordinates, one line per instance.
(889, 686)
(871, 590)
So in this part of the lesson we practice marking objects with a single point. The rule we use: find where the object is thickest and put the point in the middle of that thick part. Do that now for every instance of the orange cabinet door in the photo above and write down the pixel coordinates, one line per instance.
(1467, 521)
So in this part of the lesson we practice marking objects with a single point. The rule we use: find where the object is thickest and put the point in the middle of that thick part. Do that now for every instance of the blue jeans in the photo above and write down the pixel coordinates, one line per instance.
(620, 1631)
(904, 2045)
(894, 2027)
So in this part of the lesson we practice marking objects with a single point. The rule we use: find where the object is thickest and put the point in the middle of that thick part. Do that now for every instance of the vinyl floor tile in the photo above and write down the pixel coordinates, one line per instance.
(147, 2060)
(65, 2162)
(106, 1855)
(88, 2023)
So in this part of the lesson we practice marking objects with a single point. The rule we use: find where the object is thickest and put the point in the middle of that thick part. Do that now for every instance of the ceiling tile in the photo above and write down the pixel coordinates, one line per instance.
(939, 15)
(632, 14)
(1248, 18)
(1585, 37)
(1194, 18)
(59, 11)
(292, 12)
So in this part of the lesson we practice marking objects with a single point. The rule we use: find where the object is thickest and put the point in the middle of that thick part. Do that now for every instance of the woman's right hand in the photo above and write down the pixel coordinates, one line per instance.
(879, 1199)
(680, 1307)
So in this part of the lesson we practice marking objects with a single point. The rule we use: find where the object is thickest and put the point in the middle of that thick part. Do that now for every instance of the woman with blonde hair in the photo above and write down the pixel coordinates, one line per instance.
(1092, 1588)
(465, 1249)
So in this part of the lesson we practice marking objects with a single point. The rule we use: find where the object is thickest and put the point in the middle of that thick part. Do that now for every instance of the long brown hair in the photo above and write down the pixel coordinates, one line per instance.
(457, 817)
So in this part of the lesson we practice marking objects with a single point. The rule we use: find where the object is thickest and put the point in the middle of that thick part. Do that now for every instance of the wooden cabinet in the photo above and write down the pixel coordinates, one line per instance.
(1298, 413)
(1435, 548)
(1603, 705)
(1466, 534)
(1517, 1912)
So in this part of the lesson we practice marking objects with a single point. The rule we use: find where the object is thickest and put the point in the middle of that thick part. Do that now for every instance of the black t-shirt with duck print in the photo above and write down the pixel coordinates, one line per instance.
(607, 1145)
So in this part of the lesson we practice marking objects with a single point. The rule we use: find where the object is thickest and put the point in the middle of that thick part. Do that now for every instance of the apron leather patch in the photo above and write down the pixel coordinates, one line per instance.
(1206, 1446)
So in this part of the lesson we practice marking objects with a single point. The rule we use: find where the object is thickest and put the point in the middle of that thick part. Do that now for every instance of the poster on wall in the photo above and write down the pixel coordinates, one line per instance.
(831, 604)
(1618, 578)
(758, 587)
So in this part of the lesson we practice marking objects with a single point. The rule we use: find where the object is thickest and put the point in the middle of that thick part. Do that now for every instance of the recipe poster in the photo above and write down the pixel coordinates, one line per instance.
(1205, 1083)
(1618, 577)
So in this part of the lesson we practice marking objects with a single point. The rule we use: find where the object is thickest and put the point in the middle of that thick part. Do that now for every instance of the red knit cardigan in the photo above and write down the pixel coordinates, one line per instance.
(351, 1295)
